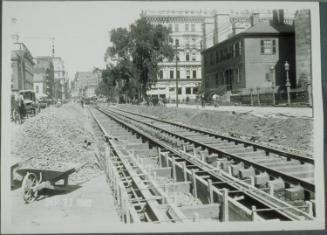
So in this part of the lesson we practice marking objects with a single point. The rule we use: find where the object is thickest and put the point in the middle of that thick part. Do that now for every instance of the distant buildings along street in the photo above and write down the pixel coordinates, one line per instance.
(85, 84)
(43, 78)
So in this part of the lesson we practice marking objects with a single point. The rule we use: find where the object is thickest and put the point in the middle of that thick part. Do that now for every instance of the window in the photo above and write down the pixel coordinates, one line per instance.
(187, 57)
(194, 73)
(161, 74)
(188, 74)
(176, 28)
(193, 56)
(217, 79)
(171, 89)
(186, 27)
(188, 90)
(268, 47)
(170, 26)
(178, 74)
(193, 27)
(179, 90)
(177, 42)
(195, 90)
(37, 89)
(177, 56)
(171, 74)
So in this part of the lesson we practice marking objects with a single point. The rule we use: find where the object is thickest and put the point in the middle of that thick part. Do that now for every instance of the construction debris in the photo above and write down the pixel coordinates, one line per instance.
(56, 137)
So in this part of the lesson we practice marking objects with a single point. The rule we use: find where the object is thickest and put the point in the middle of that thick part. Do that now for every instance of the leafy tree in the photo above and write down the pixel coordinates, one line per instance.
(149, 45)
(138, 51)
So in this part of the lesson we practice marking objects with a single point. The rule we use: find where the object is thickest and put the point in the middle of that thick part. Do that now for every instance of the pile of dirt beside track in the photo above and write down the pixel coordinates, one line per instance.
(54, 139)
(292, 134)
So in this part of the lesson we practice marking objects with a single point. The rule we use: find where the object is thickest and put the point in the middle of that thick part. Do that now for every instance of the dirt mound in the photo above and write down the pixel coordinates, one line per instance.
(291, 134)
(55, 141)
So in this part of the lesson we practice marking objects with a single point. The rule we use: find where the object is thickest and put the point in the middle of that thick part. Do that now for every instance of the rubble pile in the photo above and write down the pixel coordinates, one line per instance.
(292, 134)
(55, 140)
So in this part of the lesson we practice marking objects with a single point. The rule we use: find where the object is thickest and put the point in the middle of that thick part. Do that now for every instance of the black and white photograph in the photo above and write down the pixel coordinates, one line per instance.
(164, 116)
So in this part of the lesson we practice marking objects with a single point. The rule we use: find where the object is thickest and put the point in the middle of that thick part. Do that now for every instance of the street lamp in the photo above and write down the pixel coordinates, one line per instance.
(288, 84)
(176, 68)
(272, 69)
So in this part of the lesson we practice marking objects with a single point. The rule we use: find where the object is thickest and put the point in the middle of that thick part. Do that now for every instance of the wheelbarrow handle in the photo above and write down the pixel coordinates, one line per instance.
(80, 167)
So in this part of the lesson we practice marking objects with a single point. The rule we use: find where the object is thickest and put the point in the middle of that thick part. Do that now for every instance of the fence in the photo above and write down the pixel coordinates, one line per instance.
(265, 97)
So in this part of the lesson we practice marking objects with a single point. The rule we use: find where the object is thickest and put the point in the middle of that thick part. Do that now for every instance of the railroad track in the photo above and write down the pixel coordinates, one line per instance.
(220, 195)
(291, 168)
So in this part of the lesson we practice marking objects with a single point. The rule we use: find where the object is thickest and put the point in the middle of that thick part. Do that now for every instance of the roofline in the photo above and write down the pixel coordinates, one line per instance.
(249, 35)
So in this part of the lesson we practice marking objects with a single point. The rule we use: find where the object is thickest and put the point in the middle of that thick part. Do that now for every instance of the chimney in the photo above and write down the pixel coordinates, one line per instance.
(254, 19)
(281, 16)
(278, 17)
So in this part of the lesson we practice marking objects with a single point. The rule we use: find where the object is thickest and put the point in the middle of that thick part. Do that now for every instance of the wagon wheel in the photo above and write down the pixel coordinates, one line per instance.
(29, 182)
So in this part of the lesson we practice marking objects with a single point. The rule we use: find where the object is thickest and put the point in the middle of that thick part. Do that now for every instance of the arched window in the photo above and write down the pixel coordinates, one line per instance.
(187, 57)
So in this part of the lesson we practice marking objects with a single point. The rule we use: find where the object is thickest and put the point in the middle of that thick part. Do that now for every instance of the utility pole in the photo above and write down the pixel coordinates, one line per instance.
(176, 51)
(215, 33)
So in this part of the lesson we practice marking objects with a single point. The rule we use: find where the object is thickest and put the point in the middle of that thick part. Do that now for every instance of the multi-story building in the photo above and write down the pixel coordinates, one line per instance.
(43, 78)
(186, 33)
(22, 68)
(251, 59)
(85, 84)
(60, 76)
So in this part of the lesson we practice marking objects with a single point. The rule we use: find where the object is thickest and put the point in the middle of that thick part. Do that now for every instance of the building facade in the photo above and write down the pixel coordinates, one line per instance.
(61, 77)
(186, 33)
(252, 59)
(302, 26)
(22, 68)
(85, 84)
(60, 86)
(43, 78)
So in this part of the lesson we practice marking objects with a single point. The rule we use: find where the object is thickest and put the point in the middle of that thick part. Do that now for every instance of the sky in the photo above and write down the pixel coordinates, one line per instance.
(81, 29)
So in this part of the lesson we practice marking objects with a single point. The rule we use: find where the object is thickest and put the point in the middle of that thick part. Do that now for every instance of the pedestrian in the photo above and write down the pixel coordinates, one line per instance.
(20, 106)
(202, 101)
(82, 103)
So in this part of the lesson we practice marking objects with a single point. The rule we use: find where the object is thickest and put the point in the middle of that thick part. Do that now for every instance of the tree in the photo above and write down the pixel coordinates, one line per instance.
(138, 51)
(149, 45)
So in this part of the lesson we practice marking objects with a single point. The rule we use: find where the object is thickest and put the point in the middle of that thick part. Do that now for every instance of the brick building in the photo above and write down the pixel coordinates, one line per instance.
(302, 26)
(244, 61)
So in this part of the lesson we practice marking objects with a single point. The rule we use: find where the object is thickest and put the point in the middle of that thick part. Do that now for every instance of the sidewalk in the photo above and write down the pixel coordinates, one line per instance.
(91, 205)
(255, 110)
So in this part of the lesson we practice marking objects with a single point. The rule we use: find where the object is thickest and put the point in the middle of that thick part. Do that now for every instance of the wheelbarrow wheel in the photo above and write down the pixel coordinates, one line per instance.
(29, 182)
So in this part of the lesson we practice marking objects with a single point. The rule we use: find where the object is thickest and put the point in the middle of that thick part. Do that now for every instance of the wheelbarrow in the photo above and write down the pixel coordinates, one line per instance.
(36, 180)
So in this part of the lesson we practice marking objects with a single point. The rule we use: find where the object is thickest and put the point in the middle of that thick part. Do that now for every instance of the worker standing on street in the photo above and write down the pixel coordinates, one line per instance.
(21, 106)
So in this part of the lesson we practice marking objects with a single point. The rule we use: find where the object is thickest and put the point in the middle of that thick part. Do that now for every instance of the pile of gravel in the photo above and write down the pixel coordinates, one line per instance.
(54, 139)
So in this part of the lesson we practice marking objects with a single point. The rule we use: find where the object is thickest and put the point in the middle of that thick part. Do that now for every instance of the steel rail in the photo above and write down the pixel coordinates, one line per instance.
(147, 196)
(288, 178)
(256, 195)
(267, 149)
